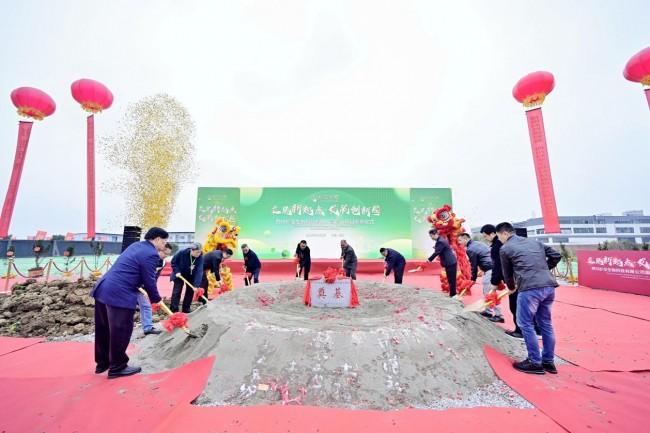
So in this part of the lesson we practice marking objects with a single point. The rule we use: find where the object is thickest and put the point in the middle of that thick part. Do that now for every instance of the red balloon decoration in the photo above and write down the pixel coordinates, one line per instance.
(92, 95)
(637, 68)
(32, 102)
(532, 89)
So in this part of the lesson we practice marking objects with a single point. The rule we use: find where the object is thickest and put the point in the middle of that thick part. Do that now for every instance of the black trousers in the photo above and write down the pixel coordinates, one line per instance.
(512, 300)
(399, 274)
(176, 297)
(113, 329)
(304, 270)
(351, 271)
(451, 278)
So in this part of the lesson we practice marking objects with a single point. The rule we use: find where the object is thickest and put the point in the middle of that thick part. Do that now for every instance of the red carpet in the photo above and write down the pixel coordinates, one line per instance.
(601, 341)
(580, 400)
(91, 403)
(620, 303)
(8, 344)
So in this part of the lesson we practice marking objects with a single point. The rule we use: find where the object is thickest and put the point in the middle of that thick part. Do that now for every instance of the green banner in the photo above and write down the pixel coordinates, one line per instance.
(274, 220)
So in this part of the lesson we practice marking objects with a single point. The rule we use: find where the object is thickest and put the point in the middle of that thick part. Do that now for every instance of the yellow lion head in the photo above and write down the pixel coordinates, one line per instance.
(224, 235)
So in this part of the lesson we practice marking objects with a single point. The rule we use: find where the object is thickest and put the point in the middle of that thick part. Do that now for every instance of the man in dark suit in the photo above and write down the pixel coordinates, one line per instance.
(189, 263)
(349, 258)
(252, 265)
(116, 296)
(395, 262)
(211, 264)
(447, 259)
(303, 254)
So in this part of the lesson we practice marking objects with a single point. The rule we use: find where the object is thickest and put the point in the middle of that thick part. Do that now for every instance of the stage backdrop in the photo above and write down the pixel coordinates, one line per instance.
(274, 220)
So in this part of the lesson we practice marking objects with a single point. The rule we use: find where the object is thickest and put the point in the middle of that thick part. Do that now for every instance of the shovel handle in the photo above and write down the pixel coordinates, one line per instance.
(166, 309)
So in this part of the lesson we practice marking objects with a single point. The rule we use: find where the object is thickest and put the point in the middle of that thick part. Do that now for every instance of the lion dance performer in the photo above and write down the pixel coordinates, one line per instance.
(449, 226)
(223, 238)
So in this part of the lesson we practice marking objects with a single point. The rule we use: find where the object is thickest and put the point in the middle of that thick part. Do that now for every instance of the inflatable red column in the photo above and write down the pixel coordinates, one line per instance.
(36, 104)
(531, 91)
(93, 97)
(90, 180)
(637, 69)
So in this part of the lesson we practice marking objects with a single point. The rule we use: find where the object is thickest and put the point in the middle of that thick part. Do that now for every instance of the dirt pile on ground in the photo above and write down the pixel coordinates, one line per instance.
(56, 308)
(402, 347)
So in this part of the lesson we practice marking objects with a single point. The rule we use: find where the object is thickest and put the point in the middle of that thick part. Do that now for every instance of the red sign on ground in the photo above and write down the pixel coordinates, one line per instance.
(621, 271)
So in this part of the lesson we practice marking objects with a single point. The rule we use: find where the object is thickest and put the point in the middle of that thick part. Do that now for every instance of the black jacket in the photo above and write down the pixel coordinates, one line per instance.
(251, 261)
(479, 258)
(497, 272)
(349, 257)
(442, 249)
(304, 257)
(527, 263)
(182, 262)
(212, 261)
(394, 260)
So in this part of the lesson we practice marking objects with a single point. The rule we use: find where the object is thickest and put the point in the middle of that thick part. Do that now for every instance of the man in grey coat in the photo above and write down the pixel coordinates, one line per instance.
(527, 268)
(349, 259)
(479, 258)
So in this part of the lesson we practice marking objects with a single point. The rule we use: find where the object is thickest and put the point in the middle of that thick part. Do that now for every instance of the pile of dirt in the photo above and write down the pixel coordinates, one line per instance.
(56, 308)
(402, 347)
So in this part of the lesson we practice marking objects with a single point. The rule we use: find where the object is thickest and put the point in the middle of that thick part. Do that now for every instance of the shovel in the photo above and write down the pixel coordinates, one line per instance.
(167, 311)
(191, 286)
(481, 305)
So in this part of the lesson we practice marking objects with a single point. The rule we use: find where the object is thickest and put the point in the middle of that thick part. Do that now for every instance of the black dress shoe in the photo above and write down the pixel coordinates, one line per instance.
(486, 314)
(549, 367)
(153, 331)
(526, 366)
(515, 334)
(127, 371)
(100, 370)
(497, 319)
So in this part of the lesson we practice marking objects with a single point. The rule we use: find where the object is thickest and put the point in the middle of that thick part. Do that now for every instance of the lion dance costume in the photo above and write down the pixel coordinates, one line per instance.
(449, 226)
(223, 236)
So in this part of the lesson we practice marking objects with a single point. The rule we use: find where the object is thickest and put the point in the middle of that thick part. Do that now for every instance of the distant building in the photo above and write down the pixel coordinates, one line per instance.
(182, 239)
(632, 226)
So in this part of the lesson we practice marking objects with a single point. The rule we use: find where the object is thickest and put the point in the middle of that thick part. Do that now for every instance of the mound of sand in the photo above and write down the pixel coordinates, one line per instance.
(403, 346)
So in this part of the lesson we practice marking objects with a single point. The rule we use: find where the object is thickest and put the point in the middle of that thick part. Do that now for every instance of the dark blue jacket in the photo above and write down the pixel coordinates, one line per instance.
(212, 262)
(442, 249)
(182, 262)
(134, 268)
(479, 258)
(394, 260)
(527, 264)
(251, 261)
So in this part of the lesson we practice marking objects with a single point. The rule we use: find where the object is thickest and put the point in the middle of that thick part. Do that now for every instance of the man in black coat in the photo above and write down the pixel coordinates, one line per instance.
(349, 258)
(447, 259)
(303, 254)
(395, 262)
(189, 263)
(252, 265)
(212, 263)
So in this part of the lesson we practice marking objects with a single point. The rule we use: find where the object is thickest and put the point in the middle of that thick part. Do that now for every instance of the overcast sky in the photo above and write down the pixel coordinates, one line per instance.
(337, 93)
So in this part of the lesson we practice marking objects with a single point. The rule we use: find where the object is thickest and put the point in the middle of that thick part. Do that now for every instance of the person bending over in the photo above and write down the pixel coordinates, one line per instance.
(212, 264)
(395, 262)
(303, 254)
(447, 259)
(252, 265)
(146, 314)
(349, 260)
(189, 263)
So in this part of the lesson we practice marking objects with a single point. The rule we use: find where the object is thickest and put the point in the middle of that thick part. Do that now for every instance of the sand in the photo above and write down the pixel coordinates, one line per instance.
(402, 347)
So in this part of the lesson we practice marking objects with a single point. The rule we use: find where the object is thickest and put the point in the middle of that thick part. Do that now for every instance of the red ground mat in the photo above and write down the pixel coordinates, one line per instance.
(10, 344)
(601, 341)
(92, 403)
(580, 400)
(298, 419)
(615, 302)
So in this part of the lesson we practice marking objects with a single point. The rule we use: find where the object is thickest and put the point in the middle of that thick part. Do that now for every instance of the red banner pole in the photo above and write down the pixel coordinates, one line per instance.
(543, 170)
(24, 130)
(647, 95)
(90, 181)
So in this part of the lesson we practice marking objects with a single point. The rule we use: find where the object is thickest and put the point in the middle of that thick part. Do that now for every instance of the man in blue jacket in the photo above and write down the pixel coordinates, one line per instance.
(252, 265)
(395, 262)
(447, 259)
(116, 296)
(189, 263)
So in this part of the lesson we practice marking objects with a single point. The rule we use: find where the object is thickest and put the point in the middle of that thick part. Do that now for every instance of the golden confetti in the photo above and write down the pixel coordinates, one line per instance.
(153, 146)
